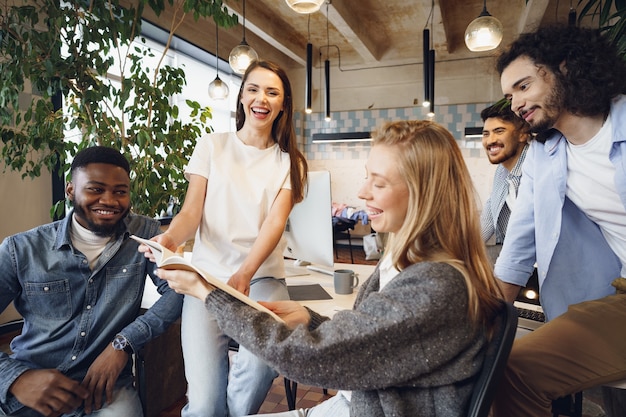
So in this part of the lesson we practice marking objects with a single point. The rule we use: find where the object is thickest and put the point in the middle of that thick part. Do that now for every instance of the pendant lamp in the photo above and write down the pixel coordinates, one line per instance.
(308, 91)
(242, 55)
(309, 75)
(484, 33)
(327, 74)
(327, 71)
(305, 6)
(426, 55)
(218, 89)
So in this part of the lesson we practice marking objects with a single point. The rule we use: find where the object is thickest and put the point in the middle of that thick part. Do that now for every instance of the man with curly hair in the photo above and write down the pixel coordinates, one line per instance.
(568, 83)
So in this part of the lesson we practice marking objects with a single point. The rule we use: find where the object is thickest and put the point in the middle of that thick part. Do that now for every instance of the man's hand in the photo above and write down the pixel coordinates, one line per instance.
(48, 392)
(101, 377)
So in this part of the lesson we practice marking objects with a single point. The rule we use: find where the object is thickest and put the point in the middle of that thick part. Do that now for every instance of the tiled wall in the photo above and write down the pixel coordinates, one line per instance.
(346, 161)
(454, 117)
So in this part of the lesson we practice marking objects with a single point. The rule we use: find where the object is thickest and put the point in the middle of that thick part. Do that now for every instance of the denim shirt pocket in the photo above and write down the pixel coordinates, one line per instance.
(51, 299)
(123, 283)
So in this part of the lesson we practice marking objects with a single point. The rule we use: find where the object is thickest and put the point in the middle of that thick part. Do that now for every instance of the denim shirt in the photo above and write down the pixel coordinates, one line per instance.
(72, 313)
(574, 261)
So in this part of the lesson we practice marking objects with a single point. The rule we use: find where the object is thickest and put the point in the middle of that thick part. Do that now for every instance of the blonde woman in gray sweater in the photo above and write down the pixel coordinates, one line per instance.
(415, 340)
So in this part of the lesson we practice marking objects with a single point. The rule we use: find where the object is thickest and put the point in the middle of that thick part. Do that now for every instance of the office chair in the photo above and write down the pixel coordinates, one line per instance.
(10, 329)
(496, 356)
(570, 405)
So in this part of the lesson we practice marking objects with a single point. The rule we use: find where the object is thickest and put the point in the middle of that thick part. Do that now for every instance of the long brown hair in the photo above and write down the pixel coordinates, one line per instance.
(283, 131)
(442, 220)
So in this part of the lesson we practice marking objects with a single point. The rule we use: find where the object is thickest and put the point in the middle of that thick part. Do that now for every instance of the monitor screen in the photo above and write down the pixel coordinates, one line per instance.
(309, 229)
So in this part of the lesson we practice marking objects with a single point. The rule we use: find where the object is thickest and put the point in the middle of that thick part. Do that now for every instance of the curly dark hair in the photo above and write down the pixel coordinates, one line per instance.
(502, 110)
(586, 64)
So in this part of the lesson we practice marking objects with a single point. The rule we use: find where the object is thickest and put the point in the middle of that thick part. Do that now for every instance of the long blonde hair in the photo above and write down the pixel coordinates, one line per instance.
(442, 220)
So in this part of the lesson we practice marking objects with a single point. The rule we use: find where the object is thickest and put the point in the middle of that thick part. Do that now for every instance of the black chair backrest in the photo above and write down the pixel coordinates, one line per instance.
(496, 356)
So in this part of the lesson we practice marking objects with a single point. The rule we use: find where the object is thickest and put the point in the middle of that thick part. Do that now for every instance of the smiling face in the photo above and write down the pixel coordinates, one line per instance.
(502, 141)
(100, 194)
(533, 92)
(262, 97)
(385, 191)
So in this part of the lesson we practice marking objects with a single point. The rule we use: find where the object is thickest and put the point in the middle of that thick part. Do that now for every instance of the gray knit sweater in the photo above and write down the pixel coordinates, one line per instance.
(408, 350)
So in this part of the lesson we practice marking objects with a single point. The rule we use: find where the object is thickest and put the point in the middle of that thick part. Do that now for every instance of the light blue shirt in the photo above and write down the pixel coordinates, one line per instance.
(71, 312)
(574, 262)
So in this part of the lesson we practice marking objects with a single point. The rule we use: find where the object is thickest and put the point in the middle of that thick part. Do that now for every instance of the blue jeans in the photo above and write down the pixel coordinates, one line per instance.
(125, 403)
(211, 391)
(337, 406)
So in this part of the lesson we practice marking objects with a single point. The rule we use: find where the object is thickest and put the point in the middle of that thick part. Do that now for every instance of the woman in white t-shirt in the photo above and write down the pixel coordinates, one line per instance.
(242, 187)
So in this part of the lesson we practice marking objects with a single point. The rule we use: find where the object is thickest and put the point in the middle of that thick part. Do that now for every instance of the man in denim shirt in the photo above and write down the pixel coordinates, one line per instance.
(78, 283)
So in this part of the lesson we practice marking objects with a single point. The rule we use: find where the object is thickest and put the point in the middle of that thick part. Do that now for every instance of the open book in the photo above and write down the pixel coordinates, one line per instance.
(167, 259)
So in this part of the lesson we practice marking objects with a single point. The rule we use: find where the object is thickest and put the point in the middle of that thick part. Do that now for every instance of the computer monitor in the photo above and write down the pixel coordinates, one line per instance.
(309, 229)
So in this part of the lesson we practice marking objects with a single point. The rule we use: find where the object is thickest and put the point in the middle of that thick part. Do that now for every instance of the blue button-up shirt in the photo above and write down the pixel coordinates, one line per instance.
(574, 261)
(71, 312)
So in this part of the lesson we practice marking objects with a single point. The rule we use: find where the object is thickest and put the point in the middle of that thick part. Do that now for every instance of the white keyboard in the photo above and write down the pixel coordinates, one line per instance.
(320, 270)
(295, 271)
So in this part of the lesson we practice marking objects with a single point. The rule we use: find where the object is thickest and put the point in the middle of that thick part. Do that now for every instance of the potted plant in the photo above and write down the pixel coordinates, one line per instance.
(64, 51)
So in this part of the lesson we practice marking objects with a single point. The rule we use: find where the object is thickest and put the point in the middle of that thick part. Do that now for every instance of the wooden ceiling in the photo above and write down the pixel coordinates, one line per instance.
(362, 33)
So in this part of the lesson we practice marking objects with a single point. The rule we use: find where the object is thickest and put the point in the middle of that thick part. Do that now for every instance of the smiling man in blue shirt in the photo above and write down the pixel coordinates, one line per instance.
(78, 283)
(505, 139)
(569, 85)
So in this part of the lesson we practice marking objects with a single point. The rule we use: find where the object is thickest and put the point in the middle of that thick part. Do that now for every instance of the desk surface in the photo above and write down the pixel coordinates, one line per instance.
(339, 301)
(324, 307)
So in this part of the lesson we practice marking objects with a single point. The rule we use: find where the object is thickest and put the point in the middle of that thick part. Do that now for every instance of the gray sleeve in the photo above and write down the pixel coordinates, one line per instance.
(393, 338)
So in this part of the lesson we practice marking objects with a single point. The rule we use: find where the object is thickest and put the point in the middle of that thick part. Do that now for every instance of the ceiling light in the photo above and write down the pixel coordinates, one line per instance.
(484, 33)
(218, 89)
(242, 55)
(309, 82)
(305, 6)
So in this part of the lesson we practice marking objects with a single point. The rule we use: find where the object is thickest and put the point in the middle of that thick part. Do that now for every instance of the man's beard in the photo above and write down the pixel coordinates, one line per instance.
(552, 108)
(102, 230)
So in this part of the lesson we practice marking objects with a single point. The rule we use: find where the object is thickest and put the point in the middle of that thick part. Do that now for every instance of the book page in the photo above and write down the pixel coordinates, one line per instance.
(167, 259)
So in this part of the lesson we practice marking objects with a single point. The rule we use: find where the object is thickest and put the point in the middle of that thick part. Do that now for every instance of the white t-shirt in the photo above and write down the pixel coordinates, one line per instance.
(591, 186)
(243, 182)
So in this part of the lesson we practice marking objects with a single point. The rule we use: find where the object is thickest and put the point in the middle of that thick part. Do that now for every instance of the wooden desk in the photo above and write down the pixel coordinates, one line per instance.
(340, 301)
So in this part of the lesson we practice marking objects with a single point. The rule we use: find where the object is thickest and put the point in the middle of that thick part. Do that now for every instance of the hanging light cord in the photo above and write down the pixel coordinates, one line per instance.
(327, 31)
(430, 15)
(244, 20)
(217, 45)
(308, 28)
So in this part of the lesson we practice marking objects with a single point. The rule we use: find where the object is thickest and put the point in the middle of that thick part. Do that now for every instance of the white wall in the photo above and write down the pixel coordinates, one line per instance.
(456, 82)
(24, 203)
(347, 176)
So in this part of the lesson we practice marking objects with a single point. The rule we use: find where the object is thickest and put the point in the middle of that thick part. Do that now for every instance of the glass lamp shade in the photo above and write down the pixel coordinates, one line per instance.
(241, 56)
(218, 89)
(483, 34)
(305, 6)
